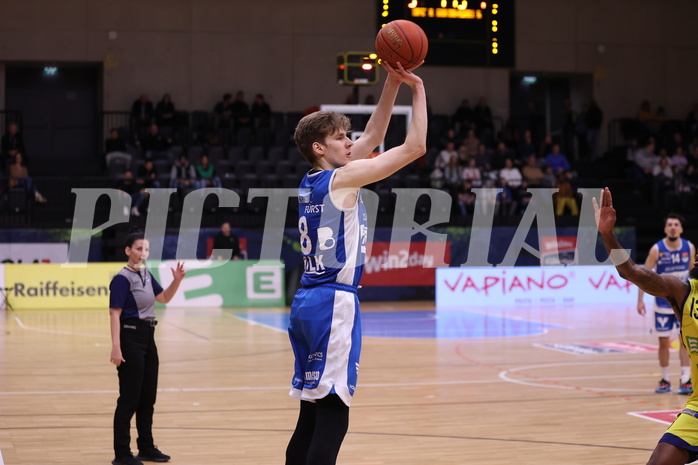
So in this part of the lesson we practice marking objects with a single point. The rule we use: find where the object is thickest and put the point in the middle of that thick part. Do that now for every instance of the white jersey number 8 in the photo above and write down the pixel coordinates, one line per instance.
(306, 245)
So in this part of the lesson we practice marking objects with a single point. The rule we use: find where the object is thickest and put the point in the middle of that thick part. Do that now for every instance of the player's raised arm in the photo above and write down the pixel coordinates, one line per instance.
(666, 286)
(361, 172)
(377, 125)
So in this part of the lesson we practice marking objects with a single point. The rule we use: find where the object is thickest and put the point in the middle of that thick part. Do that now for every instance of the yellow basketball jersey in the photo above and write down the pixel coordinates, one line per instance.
(689, 334)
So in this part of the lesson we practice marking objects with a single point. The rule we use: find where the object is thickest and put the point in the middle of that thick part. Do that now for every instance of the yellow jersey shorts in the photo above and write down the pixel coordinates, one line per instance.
(683, 433)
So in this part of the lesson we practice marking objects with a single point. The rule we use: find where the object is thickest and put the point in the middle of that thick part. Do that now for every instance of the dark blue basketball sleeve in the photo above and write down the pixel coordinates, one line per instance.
(157, 288)
(118, 291)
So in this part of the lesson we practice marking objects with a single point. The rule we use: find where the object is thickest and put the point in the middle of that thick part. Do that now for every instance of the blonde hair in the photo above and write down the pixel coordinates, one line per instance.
(315, 127)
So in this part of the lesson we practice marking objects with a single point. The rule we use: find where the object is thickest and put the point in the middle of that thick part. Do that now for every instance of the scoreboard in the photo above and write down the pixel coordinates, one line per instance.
(460, 32)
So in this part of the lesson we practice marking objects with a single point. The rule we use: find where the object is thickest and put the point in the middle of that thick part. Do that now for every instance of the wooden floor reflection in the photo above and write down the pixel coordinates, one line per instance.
(558, 393)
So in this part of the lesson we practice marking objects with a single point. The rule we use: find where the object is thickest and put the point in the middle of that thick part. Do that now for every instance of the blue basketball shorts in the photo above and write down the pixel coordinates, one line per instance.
(325, 333)
(664, 323)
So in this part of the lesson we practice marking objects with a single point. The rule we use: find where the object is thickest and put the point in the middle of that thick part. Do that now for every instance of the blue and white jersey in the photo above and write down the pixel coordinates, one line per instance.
(333, 239)
(676, 262)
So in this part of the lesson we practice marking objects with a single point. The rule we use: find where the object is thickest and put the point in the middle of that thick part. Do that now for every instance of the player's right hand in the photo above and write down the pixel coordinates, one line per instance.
(402, 74)
(604, 213)
(641, 308)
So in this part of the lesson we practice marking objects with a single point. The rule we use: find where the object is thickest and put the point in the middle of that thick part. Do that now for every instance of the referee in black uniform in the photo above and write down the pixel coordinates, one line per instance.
(132, 296)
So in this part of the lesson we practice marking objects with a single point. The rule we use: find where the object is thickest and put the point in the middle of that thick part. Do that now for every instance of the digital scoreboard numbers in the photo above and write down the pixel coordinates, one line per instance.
(460, 32)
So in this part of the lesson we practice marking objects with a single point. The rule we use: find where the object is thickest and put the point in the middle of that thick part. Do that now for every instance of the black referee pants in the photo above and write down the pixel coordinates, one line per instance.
(138, 383)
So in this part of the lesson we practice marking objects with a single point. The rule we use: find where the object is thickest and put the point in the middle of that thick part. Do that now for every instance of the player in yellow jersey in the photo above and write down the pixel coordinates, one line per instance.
(679, 444)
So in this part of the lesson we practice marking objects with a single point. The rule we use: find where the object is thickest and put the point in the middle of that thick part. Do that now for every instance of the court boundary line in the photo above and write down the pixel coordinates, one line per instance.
(197, 339)
(503, 376)
(55, 331)
(255, 323)
(639, 415)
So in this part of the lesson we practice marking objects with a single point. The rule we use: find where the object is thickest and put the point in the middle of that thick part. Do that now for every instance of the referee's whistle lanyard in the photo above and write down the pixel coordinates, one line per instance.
(141, 271)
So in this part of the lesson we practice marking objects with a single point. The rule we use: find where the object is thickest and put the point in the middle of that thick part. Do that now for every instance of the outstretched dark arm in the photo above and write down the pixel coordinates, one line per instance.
(673, 289)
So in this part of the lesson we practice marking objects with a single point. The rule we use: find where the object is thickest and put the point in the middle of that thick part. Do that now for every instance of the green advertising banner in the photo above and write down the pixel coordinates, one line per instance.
(236, 283)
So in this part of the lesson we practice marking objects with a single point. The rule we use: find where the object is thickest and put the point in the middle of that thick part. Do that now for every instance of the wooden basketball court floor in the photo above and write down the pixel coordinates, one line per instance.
(475, 385)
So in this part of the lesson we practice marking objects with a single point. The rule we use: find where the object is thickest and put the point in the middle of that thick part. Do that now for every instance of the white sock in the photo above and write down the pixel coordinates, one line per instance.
(685, 374)
(665, 373)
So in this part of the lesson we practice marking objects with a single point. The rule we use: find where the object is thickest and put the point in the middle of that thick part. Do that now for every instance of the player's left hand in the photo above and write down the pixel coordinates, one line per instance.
(605, 215)
(178, 273)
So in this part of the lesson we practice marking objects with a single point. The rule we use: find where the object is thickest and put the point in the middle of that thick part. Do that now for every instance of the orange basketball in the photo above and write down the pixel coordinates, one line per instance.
(402, 41)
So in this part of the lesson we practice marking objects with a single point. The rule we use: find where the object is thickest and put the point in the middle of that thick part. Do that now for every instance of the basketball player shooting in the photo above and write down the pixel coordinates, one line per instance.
(325, 327)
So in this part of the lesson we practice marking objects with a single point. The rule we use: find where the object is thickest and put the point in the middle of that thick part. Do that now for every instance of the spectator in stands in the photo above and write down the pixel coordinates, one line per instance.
(206, 173)
(471, 143)
(142, 111)
(370, 100)
(676, 142)
(115, 148)
(691, 180)
(510, 174)
(260, 112)
(531, 174)
(226, 240)
(182, 174)
(19, 177)
(450, 136)
(165, 111)
(445, 156)
(500, 156)
(594, 120)
(505, 205)
(472, 174)
(678, 160)
(240, 111)
(645, 161)
(223, 112)
(155, 145)
(137, 193)
(633, 147)
(549, 179)
(463, 117)
(463, 155)
(526, 146)
(436, 178)
(466, 199)
(524, 198)
(662, 183)
(565, 197)
(148, 175)
(484, 125)
(12, 144)
(557, 161)
(452, 174)
(483, 157)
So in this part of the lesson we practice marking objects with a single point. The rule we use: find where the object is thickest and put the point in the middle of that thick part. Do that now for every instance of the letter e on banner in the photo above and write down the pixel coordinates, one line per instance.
(263, 282)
